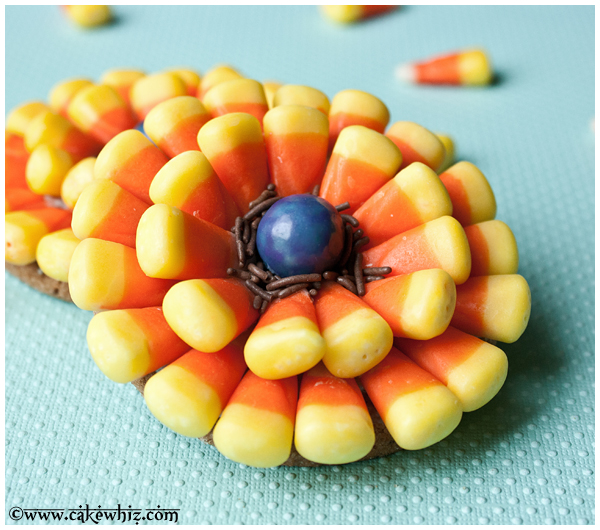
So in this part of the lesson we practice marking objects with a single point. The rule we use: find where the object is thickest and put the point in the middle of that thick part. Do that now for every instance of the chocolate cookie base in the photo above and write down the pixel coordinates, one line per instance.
(384, 443)
(34, 277)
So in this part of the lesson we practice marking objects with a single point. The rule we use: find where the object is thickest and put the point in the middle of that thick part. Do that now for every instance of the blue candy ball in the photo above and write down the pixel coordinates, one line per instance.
(300, 234)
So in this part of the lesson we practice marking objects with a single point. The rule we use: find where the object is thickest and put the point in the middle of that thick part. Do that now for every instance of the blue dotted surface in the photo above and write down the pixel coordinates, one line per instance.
(75, 438)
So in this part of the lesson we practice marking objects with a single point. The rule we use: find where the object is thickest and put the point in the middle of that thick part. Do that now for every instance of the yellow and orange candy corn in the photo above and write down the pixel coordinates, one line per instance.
(77, 178)
(418, 305)
(474, 370)
(234, 146)
(333, 425)
(472, 197)
(54, 253)
(493, 248)
(122, 80)
(99, 111)
(354, 107)
(209, 314)
(417, 144)
(150, 90)
(24, 229)
(302, 95)
(351, 14)
(173, 125)
(89, 16)
(218, 74)
(188, 395)
(106, 211)
(16, 199)
(176, 245)
(270, 88)
(61, 95)
(362, 161)
(131, 161)
(190, 77)
(469, 67)
(438, 244)
(413, 197)
(47, 168)
(296, 139)
(15, 161)
(19, 118)
(237, 95)
(417, 409)
(286, 341)
(106, 275)
(257, 426)
(356, 337)
(449, 149)
(127, 344)
(493, 307)
(52, 129)
(189, 182)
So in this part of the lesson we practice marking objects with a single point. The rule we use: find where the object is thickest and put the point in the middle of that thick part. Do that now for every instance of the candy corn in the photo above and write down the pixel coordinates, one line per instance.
(173, 125)
(286, 340)
(22, 199)
(257, 425)
(417, 409)
(24, 229)
(302, 95)
(350, 14)
(437, 244)
(237, 95)
(54, 252)
(149, 91)
(188, 395)
(176, 245)
(270, 87)
(89, 16)
(127, 344)
(131, 161)
(493, 248)
(416, 144)
(122, 80)
(62, 94)
(77, 178)
(209, 314)
(106, 211)
(448, 144)
(471, 368)
(354, 107)
(98, 110)
(190, 77)
(356, 337)
(219, 74)
(47, 168)
(234, 146)
(15, 162)
(413, 197)
(56, 131)
(296, 139)
(333, 425)
(106, 275)
(418, 305)
(472, 197)
(362, 161)
(19, 118)
(469, 67)
(493, 307)
(189, 182)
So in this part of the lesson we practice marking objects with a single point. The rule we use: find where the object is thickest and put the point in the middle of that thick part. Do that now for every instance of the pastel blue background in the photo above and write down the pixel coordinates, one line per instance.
(73, 437)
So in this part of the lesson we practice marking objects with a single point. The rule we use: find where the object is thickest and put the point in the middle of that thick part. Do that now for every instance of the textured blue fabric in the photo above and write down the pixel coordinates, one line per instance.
(73, 437)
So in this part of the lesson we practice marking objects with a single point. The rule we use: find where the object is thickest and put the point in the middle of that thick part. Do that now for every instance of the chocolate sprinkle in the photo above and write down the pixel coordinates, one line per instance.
(350, 220)
(343, 206)
(377, 270)
(358, 275)
(291, 280)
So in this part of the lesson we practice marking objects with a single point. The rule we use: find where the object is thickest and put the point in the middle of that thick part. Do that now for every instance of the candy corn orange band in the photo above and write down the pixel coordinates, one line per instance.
(480, 252)
(334, 303)
(258, 110)
(279, 396)
(183, 136)
(235, 294)
(441, 70)
(111, 123)
(221, 370)
(319, 387)
(296, 305)
(459, 197)
(22, 199)
(15, 161)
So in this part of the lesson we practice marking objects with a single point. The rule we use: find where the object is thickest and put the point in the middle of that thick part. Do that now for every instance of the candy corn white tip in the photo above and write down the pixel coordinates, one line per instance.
(406, 72)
